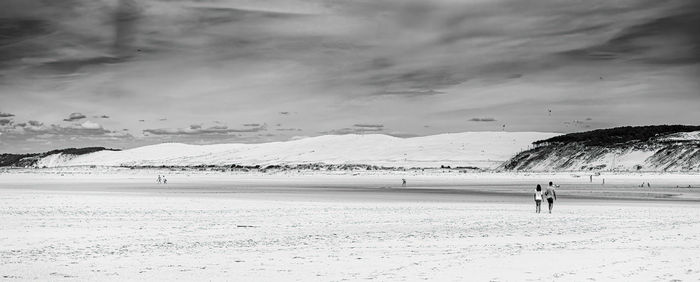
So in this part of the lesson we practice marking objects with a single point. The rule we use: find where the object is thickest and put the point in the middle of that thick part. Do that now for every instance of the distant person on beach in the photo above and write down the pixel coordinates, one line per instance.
(538, 199)
(165, 181)
(551, 195)
(159, 179)
(403, 182)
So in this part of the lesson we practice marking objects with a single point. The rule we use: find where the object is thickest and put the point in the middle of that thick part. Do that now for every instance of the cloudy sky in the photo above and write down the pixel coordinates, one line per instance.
(126, 73)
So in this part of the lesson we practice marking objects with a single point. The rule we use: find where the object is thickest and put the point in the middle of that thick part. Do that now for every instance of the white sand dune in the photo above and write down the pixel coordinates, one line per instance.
(475, 149)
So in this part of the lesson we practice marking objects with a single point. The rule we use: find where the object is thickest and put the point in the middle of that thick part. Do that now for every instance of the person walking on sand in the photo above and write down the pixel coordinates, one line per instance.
(165, 181)
(159, 179)
(538, 199)
(403, 182)
(551, 195)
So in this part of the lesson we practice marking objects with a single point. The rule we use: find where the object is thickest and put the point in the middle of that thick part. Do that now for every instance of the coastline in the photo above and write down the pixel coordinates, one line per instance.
(435, 185)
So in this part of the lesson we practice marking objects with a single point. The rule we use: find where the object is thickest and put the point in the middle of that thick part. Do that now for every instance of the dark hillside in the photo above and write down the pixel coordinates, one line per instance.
(640, 148)
(24, 160)
(618, 135)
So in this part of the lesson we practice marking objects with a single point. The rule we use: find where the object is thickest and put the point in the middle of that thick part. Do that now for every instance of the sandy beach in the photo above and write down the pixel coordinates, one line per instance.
(327, 140)
(341, 227)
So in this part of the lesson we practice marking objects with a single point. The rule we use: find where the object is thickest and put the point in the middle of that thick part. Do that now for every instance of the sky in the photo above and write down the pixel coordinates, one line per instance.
(127, 73)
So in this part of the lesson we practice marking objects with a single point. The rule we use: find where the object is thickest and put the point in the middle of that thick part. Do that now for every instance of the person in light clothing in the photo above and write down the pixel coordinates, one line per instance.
(538, 199)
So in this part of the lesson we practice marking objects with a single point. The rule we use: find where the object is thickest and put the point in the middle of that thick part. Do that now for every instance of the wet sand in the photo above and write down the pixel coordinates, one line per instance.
(462, 192)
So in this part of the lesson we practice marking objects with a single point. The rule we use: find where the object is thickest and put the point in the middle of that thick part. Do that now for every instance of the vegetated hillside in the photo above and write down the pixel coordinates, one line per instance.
(619, 135)
(30, 160)
(483, 150)
(642, 148)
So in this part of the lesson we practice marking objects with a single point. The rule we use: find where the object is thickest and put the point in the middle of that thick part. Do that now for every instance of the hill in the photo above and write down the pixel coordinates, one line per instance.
(642, 148)
(618, 135)
(484, 150)
(30, 160)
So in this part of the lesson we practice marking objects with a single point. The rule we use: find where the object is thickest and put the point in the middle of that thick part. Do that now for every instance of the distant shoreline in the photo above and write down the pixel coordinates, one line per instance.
(316, 167)
(437, 185)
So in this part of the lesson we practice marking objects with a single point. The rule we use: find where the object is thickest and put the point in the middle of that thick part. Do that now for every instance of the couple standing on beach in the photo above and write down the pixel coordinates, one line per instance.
(164, 180)
(550, 194)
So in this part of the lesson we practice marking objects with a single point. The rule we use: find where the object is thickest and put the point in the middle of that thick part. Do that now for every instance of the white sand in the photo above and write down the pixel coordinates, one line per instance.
(107, 227)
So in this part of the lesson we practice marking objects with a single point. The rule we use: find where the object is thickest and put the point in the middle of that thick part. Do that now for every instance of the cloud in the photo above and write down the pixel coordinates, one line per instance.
(373, 126)
(91, 125)
(200, 130)
(4, 122)
(74, 117)
(4, 115)
(485, 119)
(288, 129)
(411, 93)
(34, 123)
(578, 124)
(85, 129)
(251, 125)
(356, 129)
(409, 60)
(672, 39)
(102, 116)
(36, 130)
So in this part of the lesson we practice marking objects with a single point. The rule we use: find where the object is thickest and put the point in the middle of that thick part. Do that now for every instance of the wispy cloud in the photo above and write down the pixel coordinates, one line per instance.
(288, 129)
(322, 65)
(200, 130)
(34, 132)
(641, 42)
(364, 125)
(357, 129)
(483, 119)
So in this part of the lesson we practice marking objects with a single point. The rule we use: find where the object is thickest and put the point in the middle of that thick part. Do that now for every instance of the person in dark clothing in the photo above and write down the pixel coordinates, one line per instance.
(551, 195)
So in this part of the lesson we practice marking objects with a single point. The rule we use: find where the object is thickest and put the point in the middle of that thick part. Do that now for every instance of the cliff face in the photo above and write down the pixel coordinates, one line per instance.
(678, 151)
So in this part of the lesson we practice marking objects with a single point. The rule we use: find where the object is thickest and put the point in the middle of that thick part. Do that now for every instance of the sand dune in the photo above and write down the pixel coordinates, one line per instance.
(475, 149)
